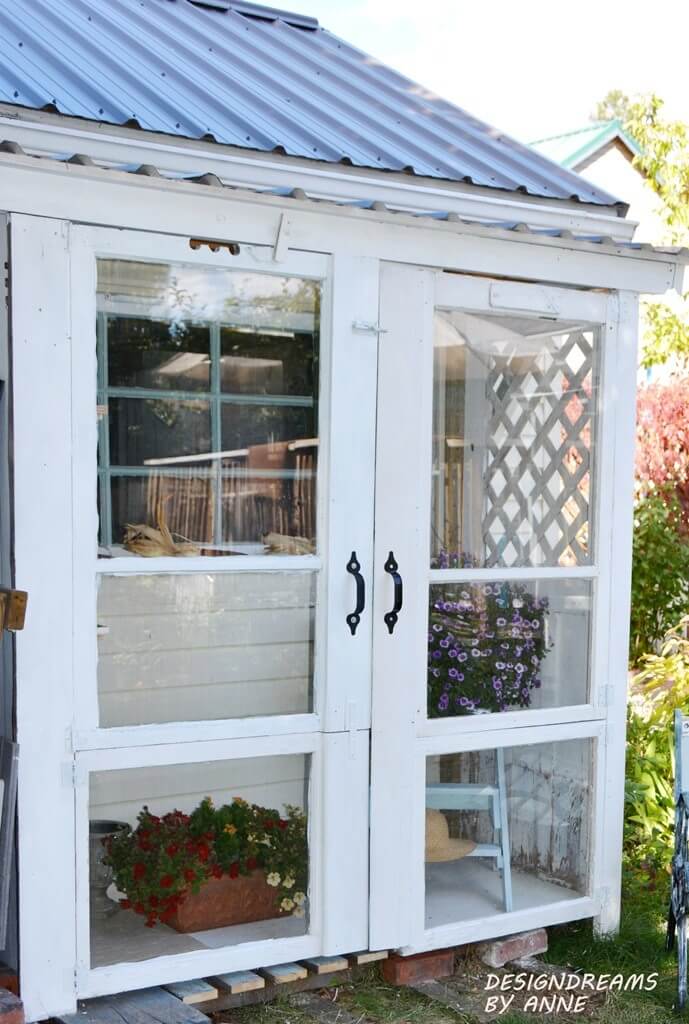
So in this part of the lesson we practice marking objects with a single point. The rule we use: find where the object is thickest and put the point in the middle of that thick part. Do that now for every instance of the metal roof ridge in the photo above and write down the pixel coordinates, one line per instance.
(261, 11)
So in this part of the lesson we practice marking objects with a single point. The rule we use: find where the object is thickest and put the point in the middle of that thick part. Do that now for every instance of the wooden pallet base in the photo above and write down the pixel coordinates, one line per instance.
(191, 1002)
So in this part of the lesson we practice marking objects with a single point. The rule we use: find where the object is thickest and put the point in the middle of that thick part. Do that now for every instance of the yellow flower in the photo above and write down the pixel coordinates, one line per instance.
(238, 800)
(288, 882)
(273, 879)
(230, 829)
(287, 904)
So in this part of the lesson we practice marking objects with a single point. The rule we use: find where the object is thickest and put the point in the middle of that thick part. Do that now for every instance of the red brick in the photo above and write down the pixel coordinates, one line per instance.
(9, 979)
(499, 952)
(408, 970)
(11, 1008)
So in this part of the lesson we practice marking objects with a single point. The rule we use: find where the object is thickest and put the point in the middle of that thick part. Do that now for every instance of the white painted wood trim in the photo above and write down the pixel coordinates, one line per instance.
(620, 567)
(132, 565)
(189, 732)
(399, 660)
(575, 572)
(119, 199)
(515, 721)
(548, 301)
(479, 929)
(48, 133)
(43, 539)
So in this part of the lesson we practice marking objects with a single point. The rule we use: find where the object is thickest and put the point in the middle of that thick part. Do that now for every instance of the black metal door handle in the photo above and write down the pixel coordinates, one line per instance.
(354, 618)
(391, 617)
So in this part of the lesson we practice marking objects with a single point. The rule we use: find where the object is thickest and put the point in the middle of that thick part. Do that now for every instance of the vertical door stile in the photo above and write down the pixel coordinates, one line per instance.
(43, 556)
(402, 527)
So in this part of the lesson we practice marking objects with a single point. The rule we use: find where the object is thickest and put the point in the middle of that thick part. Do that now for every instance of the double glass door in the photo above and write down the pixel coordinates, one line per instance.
(323, 578)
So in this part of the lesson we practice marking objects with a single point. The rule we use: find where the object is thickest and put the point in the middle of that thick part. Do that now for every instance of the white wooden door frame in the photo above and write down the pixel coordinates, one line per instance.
(54, 290)
(402, 736)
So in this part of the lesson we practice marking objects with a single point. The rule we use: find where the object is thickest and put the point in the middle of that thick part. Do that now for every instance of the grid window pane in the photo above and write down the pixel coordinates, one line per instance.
(203, 375)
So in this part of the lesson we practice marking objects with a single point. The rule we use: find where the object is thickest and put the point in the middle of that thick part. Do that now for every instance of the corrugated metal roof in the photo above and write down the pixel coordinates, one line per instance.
(250, 76)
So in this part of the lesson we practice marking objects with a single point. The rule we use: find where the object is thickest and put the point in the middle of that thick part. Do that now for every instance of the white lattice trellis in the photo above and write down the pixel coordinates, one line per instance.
(538, 454)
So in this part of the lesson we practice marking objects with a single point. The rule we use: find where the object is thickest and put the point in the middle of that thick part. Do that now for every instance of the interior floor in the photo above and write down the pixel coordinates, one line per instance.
(462, 890)
(124, 938)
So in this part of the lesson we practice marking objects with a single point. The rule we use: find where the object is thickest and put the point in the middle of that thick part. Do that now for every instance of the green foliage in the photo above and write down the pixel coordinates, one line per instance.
(660, 571)
(164, 859)
(664, 159)
(613, 107)
(662, 686)
(666, 334)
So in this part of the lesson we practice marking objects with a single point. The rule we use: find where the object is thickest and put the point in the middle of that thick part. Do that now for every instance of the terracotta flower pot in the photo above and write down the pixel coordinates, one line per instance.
(225, 901)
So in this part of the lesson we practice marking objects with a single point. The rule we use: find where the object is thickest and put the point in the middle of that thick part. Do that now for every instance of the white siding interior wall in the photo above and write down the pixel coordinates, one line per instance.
(204, 646)
(271, 782)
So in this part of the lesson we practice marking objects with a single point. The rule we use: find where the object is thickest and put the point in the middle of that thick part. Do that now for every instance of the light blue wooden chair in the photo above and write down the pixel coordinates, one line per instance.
(479, 796)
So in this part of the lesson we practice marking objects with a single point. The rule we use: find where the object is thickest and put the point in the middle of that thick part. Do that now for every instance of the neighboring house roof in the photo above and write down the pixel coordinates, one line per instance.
(257, 78)
(576, 149)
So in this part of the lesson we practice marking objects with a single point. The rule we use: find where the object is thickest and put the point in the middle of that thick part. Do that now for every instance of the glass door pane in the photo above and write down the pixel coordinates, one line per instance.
(507, 829)
(514, 434)
(208, 443)
(208, 410)
(515, 402)
(187, 857)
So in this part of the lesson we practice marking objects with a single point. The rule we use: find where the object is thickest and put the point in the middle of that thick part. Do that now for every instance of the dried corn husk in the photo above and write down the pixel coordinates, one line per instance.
(280, 544)
(149, 542)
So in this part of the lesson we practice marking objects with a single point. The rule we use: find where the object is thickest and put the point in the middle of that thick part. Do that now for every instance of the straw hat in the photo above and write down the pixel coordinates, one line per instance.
(439, 846)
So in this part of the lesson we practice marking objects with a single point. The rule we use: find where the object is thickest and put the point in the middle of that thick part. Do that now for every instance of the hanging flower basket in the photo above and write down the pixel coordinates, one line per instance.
(214, 867)
(486, 644)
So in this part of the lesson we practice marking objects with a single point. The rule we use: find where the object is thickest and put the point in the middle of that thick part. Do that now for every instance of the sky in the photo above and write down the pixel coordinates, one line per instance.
(529, 67)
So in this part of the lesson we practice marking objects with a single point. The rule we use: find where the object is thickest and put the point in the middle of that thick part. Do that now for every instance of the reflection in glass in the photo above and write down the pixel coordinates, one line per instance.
(507, 829)
(204, 375)
(201, 856)
(507, 646)
(513, 439)
(200, 647)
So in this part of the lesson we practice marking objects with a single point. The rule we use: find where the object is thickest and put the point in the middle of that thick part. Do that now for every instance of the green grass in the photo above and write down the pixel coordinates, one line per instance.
(639, 948)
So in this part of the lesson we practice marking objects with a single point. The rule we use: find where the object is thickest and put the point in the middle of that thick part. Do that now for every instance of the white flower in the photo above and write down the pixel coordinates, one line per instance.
(266, 841)
(300, 898)
(273, 879)
(287, 904)
(288, 882)
(298, 912)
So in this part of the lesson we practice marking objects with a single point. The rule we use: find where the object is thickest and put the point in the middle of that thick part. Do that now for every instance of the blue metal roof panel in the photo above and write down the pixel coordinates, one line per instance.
(256, 78)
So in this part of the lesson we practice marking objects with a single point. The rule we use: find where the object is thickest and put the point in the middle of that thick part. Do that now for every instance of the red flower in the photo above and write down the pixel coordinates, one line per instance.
(216, 871)
(189, 874)
(139, 908)
(153, 901)
(204, 852)
(234, 870)
(172, 849)
(251, 863)
(283, 824)
(269, 824)
(139, 871)
(166, 881)
(125, 904)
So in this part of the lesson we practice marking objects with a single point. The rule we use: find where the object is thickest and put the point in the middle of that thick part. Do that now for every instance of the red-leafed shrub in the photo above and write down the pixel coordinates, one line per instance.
(662, 440)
